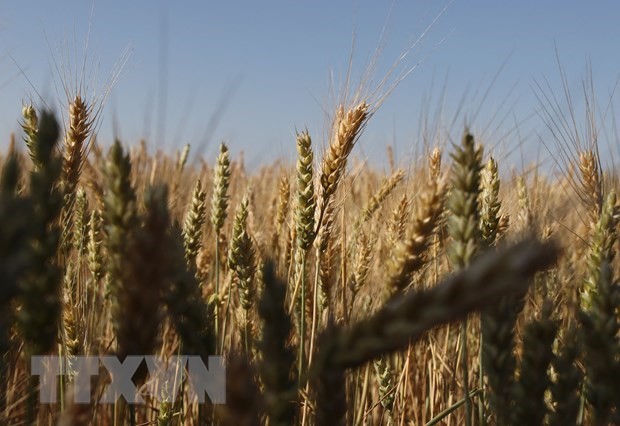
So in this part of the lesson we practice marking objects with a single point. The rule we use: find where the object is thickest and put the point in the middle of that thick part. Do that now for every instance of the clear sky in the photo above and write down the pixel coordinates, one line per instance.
(261, 69)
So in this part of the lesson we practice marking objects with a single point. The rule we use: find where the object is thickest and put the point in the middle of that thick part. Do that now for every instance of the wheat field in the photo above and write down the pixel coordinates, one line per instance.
(448, 291)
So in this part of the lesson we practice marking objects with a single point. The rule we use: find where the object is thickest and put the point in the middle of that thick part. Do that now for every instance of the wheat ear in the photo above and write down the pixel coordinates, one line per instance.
(408, 256)
(241, 260)
(219, 206)
(600, 296)
(434, 164)
(489, 203)
(591, 183)
(194, 223)
(326, 257)
(40, 290)
(30, 126)
(75, 150)
(121, 222)
(304, 224)
(463, 227)
(40, 293)
(604, 236)
(284, 195)
(348, 125)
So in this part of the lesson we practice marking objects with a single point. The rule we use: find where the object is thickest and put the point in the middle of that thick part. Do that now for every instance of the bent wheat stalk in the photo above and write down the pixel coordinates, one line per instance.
(407, 317)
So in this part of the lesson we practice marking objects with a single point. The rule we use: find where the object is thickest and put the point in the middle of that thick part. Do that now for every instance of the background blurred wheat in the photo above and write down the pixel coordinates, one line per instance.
(443, 293)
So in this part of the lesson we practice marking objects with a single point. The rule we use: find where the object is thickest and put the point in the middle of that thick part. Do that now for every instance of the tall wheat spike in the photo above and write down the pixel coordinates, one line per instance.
(183, 158)
(408, 256)
(398, 220)
(525, 218)
(72, 329)
(463, 227)
(305, 199)
(194, 222)
(221, 181)
(347, 127)
(284, 194)
(40, 296)
(30, 126)
(326, 256)
(361, 264)
(591, 182)
(241, 260)
(75, 150)
(80, 237)
(121, 223)
(496, 323)
(599, 337)
(435, 164)
(219, 206)
(604, 236)
(600, 295)
(304, 224)
(489, 203)
(93, 247)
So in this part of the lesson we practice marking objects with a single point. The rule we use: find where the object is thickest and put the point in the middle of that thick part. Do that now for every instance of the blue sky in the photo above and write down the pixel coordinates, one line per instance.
(260, 70)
